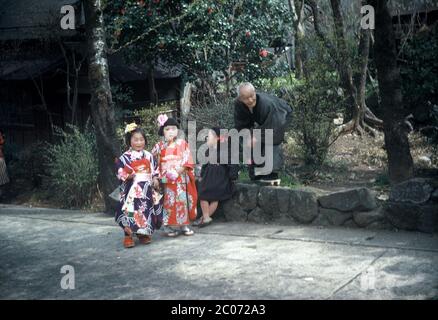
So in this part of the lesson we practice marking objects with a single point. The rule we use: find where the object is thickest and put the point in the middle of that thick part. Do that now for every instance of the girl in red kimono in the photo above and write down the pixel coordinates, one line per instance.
(175, 166)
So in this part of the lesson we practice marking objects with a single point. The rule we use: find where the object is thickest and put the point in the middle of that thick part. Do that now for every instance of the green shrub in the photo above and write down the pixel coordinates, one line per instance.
(122, 98)
(316, 100)
(73, 166)
(214, 112)
(419, 71)
(279, 85)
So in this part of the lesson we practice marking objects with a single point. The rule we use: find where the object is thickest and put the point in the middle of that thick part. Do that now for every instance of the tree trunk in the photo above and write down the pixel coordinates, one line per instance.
(365, 116)
(344, 64)
(102, 107)
(361, 76)
(317, 26)
(359, 115)
(400, 164)
(185, 105)
(297, 10)
(72, 102)
(40, 90)
(152, 88)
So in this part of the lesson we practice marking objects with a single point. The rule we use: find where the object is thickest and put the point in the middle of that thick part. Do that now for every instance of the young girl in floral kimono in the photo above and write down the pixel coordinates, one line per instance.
(176, 167)
(140, 210)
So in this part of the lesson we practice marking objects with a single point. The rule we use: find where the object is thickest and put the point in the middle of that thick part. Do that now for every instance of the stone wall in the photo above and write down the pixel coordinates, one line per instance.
(354, 208)
(413, 205)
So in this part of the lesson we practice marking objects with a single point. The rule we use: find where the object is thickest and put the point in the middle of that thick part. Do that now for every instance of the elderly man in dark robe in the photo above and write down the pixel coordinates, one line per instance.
(257, 110)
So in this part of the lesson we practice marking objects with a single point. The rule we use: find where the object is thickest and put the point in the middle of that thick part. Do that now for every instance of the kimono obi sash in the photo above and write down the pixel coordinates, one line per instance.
(142, 177)
(142, 170)
(171, 161)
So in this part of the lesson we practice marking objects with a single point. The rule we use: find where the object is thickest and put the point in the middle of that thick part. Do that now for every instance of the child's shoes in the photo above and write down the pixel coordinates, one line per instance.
(144, 239)
(187, 231)
(170, 232)
(128, 242)
(205, 222)
(202, 222)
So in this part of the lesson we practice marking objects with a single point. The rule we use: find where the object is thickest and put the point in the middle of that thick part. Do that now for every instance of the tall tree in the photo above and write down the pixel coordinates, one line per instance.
(102, 107)
(345, 69)
(400, 164)
(297, 11)
(354, 83)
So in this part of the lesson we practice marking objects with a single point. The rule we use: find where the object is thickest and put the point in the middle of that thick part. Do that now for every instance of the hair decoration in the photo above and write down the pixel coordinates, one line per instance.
(162, 118)
(130, 127)
(222, 138)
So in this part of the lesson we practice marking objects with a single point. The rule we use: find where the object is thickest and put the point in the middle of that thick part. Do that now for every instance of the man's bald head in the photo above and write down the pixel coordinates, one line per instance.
(246, 93)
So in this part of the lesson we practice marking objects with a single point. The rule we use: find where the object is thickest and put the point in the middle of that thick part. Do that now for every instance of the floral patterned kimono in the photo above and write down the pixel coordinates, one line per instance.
(180, 196)
(140, 207)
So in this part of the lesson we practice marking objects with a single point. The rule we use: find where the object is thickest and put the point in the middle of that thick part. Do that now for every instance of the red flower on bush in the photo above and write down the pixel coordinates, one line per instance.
(263, 53)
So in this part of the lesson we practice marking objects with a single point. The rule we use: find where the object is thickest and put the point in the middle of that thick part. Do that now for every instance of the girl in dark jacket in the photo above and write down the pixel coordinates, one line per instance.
(216, 179)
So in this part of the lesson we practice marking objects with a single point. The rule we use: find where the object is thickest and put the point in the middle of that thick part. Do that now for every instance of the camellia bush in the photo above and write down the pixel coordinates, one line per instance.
(214, 41)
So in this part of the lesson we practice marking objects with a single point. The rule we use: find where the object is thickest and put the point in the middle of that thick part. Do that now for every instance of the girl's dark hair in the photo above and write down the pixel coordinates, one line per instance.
(169, 122)
(221, 145)
(129, 135)
(216, 130)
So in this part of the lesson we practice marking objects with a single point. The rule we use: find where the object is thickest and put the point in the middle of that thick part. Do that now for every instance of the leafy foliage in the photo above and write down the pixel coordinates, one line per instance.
(214, 113)
(420, 72)
(147, 120)
(316, 100)
(72, 166)
(206, 37)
